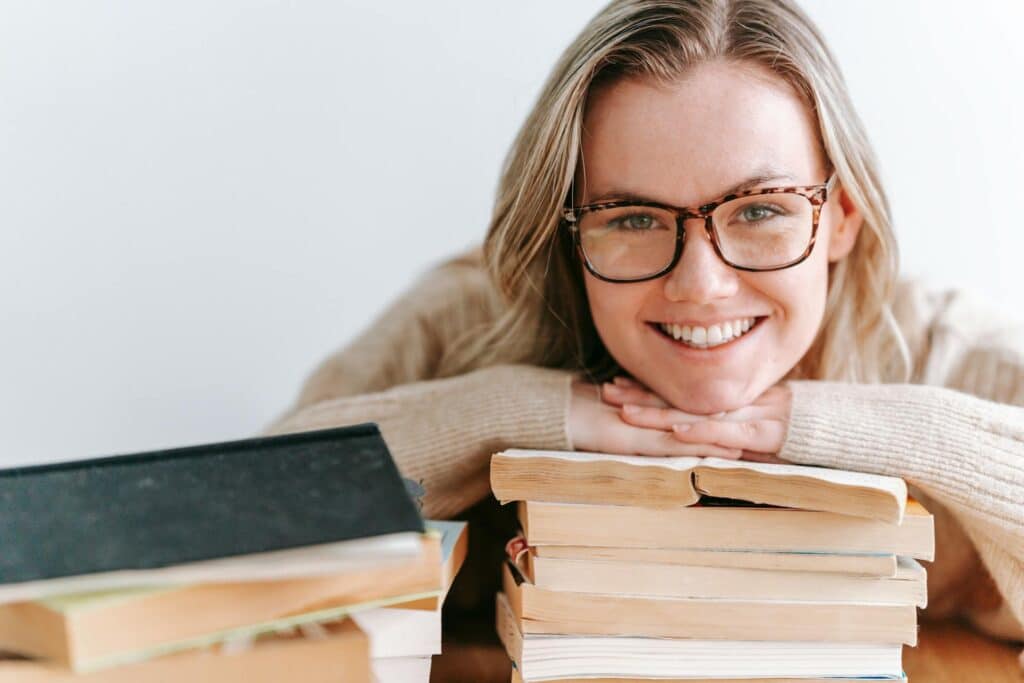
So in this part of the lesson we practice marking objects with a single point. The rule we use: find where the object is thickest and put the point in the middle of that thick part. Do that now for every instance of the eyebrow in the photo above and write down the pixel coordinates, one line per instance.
(760, 177)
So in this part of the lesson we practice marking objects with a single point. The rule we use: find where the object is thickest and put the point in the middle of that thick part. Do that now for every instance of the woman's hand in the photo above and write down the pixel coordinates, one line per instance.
(595, 425)
(757, 431)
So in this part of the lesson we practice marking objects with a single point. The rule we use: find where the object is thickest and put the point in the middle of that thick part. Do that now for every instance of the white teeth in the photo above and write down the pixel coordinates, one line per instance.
(708, 337)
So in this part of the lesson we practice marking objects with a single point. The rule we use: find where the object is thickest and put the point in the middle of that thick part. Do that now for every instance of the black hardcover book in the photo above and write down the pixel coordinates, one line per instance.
(168, 507)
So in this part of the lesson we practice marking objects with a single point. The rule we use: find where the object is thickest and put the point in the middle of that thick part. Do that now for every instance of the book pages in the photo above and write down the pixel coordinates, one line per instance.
(892, 485)
(680, 463)
(310, 561)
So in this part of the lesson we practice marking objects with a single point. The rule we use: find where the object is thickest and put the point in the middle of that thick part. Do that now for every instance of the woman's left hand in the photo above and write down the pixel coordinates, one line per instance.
(759, 429)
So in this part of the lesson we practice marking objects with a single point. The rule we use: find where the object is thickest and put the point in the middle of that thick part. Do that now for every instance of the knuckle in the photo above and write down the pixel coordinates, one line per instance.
(657, 416)
(640, 412)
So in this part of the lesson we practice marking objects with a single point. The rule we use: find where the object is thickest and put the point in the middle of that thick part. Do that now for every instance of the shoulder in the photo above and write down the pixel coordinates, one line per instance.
(456, 290)
(444, 295)
(921, 307)
(460, 272)
(957, 337)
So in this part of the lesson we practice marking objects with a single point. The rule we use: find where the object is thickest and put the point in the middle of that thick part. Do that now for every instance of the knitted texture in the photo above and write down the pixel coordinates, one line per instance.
(956, 433)
(961, 452)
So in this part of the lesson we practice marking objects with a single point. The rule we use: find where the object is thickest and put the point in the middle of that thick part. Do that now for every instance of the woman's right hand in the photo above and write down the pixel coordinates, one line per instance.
(594, 425)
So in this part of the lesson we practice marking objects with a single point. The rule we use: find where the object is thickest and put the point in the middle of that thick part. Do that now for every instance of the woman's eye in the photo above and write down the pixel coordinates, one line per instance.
(758, 212)
(640, 222)
(636, 221)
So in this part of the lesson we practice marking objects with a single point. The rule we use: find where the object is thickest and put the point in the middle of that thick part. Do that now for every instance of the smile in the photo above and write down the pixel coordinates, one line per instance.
(699, 337)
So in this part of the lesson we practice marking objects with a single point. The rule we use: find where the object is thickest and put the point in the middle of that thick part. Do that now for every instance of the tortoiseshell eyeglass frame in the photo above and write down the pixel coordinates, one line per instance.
(817, 195)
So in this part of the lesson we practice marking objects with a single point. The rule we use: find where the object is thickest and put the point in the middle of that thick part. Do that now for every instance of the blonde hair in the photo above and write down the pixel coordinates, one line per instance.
(542, 317)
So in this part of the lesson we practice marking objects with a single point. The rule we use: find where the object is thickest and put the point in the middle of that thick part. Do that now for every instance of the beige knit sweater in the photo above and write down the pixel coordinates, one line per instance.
(955, 434)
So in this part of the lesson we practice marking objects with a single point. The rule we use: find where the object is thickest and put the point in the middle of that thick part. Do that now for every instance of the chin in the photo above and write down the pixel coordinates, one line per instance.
(709, 397)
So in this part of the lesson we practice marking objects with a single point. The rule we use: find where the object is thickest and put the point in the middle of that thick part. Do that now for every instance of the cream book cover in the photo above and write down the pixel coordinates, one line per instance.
(607, 478)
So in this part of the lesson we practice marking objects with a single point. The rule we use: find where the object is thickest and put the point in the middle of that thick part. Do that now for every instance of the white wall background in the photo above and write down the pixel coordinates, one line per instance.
(180, 239)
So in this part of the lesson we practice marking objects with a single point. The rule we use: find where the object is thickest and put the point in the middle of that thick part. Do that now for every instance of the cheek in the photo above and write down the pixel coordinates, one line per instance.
(615, 308)
(800, 293)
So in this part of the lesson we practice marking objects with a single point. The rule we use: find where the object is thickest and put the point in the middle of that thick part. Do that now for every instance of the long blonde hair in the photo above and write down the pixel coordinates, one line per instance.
(541, 311)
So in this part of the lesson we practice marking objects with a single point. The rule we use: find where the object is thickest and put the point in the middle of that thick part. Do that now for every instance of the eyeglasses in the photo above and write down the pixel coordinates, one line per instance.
(755, 230)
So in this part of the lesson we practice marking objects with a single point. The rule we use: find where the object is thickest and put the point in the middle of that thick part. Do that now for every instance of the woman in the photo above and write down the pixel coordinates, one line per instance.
(693, 203)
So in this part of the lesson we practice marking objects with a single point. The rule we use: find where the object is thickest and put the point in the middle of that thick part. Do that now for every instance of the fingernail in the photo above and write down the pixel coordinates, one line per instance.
(631, 409)
(681, 427)
(621, 381)
(609, 386)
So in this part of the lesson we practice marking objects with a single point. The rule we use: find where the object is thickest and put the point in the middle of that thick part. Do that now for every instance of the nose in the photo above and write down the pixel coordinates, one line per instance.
(700, 276)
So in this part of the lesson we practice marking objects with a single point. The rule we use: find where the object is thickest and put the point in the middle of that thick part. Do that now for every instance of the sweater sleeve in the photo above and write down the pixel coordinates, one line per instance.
(959, 437)
(441, 432)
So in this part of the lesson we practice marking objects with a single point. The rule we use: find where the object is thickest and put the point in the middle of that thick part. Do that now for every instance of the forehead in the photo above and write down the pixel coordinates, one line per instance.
(691, 140)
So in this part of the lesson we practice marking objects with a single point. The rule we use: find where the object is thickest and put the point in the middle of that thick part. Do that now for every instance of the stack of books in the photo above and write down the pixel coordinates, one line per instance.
(632, 568)
(405, 637)
(300, 557)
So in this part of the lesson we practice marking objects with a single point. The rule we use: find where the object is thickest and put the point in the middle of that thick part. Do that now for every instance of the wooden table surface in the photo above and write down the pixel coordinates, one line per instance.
(946, 653)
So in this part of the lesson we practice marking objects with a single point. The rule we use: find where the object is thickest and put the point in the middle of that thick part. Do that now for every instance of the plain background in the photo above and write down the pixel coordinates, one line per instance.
(200, 200)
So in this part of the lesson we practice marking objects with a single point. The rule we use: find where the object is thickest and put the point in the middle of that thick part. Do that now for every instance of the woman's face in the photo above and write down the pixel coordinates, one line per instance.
(722, 125)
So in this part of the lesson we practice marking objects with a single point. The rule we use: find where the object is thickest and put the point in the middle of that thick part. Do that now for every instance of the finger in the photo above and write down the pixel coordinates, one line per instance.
(623, 381)
(656, 417)
(753, 411)
(616, 395)
(763, 436)
(764, 457)
(656, 442)
(662, 416)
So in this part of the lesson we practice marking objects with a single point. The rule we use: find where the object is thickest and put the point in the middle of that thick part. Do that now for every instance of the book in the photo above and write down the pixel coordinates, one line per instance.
(406, 630)
(547, 657)
(95, 630)
(397, 631)
(162, 508)
(98, 630)
(454, 546)
(763, 529)
(610, 479)
(907, 587)
(292, 563)
(540, 610)
(272, 658)
(401, 669)
(858, 564)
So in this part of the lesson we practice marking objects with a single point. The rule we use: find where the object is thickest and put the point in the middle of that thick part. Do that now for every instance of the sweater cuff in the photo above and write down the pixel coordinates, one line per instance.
(887, 429)
(961, 449)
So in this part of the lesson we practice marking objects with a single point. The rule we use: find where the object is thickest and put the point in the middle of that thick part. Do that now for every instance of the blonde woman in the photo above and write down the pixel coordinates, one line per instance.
(692, 211)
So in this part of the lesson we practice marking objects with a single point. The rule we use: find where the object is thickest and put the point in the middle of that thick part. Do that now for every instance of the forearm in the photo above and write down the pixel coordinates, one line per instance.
(442, 433)
(965, 452)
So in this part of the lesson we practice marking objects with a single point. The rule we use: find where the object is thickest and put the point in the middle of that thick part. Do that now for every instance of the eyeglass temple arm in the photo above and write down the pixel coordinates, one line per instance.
(830, 184)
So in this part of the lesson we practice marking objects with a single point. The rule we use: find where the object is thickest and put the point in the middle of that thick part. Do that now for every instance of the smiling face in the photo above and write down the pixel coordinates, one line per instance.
(704, 136)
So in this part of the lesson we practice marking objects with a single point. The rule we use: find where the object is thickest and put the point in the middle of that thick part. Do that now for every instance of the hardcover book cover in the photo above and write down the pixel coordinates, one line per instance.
(160, 508)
